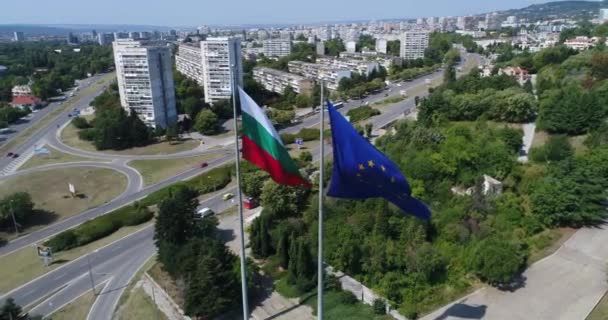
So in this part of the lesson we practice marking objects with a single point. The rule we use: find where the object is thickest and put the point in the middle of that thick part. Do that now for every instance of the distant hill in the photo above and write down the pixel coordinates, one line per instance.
(559, 9)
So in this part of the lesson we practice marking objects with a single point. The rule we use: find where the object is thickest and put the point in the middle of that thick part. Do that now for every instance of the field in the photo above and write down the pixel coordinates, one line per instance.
(139, 305)
(49, 191)
(54, 156)
(154, 171)
(77, 309)
(69, 136)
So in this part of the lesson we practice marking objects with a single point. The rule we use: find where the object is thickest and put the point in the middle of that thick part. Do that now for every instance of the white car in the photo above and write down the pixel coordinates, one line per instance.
(204, 213)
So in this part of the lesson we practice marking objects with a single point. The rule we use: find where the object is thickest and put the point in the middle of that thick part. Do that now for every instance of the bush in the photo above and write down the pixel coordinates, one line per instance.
(362, 113)
(80, 123)
(306, 134)
(496, 260)
(346, 297)
(379, 307)
(557, 148)
(87, 134)
(63, 241)
(100, 227)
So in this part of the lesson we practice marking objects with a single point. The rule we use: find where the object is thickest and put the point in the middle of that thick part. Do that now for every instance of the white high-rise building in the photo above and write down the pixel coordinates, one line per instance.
(603, 15)
(105, 39)
(321, 48)
(219, 55)
(276, 47)
(18, 36)
(351, 46)
(381, 45)
(413, 44)
(145, 81)
(189, 61)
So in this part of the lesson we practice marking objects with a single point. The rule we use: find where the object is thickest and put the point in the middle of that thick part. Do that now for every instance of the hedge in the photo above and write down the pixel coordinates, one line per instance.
(100, 227)
(362, 113)
(306, 134)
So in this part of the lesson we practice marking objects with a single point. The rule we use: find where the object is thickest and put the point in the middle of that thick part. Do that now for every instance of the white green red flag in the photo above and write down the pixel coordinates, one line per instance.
(263, 147)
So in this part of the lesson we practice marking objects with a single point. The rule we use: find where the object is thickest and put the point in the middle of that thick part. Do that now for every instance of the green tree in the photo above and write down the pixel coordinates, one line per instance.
(283, 200)
(261, 244)
(496, 260)
(192, 106)
(253, 182)
(303, 101)
(305, 156)
(207, 123)
(333, 47)
(19, 203)
(368, 129)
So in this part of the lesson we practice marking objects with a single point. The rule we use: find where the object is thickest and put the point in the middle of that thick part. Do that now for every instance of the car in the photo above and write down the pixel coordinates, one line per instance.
(228, 196)
(204, 165)
(10, 154)
(204, 213)
(15, 155)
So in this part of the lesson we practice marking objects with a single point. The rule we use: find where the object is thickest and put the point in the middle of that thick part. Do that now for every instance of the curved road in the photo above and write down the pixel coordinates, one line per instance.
(118, 262)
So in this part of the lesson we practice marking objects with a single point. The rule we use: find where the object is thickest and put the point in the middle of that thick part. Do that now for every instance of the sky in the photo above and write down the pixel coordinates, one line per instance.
(236, 12)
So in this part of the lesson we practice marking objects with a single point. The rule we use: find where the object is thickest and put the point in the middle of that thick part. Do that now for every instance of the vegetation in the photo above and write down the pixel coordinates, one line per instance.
(362, 113)
(20, 205)
(10, 310)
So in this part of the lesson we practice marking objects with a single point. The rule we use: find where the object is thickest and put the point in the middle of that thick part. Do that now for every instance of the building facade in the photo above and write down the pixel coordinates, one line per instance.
(18, 36)
(413, 44)
(363, 67)
(218, 56)
(276, 47)
(276, 80)
(105, 39)
(331, 76)
(603, 15)
(189, 62)
(381, 45)
(145, 82)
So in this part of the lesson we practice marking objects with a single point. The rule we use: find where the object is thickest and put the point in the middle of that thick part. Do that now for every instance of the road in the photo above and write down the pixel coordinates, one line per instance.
(118, 262)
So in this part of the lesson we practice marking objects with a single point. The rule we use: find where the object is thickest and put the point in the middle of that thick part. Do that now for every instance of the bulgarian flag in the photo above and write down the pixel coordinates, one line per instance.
(263, 147)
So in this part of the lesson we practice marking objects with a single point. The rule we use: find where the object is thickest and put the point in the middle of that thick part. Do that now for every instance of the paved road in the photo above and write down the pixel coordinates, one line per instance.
(126, 254)
(564, 286)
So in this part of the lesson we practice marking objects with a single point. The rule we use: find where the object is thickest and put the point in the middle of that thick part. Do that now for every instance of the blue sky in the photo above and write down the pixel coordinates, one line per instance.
(197, 12)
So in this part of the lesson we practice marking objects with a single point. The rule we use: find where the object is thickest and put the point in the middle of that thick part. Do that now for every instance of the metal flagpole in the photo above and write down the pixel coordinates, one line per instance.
(233, 74)
(320, 272)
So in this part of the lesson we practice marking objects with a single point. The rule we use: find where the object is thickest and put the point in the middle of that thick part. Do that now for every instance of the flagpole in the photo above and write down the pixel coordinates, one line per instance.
(320, 272)
(233, 76)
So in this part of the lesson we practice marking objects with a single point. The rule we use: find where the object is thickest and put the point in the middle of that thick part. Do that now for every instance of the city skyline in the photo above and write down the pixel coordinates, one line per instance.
(192, 13)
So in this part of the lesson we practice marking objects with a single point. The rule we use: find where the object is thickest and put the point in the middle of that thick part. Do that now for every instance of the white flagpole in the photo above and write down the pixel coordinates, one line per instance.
(235, 85)
(320, 272)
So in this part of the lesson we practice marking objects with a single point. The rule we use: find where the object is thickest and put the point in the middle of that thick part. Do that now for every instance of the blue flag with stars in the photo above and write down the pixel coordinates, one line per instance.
(361, 171)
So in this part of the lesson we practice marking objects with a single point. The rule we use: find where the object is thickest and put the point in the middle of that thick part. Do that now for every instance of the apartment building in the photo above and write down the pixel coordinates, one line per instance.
(218, 56)
(382, 59)
(189, 61)
(276, 80)
(145, 81)
(363, 67)
(18, 36)
(276, 47)
(105, 39)
(413, 44)
(330, 75)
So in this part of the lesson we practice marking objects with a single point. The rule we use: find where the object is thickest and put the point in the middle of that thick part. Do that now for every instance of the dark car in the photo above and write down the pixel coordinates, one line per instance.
(15, 155)
(204, 165)
(10, 154)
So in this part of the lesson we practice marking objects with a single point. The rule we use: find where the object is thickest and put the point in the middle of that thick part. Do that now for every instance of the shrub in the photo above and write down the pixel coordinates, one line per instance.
(346, 297)
(379, 306)
(362, 113)
(306, 134)
(80, 123)
(87, 134)
(63, 241)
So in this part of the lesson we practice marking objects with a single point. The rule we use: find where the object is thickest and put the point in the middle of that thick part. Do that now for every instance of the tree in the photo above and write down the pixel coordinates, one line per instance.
(557, 148)
(570, 110)
(496, 260)
(305, 156)
(281, 117)
(253, 182)
(599, 65)
(10, 310)
(513, 138)
(368, 129)
(333, 47)
(192, 106)
(283, 250)
(303, 101)
(261, 243)
(213, 288)
(283, 200)
(172, 133)
(19, 203)
(207, 122)
(175, 225)
(393, 47)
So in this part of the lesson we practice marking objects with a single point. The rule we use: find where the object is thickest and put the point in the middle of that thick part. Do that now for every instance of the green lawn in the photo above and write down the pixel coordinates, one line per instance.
(55, 156)
(154, 171)
(600, 312)
(24, 265)
(49, 191)
(139, 305)
(69, 136)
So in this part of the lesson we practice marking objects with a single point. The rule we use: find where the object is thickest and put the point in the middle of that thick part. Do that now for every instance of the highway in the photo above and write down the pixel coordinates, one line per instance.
(118, 262)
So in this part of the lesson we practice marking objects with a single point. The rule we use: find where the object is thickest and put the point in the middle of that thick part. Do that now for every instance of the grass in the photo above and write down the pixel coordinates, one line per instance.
(55, 156)
(336, 309)
(154, 171)
(540, 138)
(389, 101)
(547, 242)
(139, 305)
(309, 146)
(24, 135)
(77, 309)
(69, 136)
(600, 312)
(49, 191)
(165, 281)
(24, 265)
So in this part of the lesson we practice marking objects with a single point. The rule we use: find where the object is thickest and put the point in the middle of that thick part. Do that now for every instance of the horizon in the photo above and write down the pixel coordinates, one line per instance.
(87, 14)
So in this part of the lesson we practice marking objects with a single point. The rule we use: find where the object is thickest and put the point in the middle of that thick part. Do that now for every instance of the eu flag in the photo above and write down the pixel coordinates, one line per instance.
(361, 171)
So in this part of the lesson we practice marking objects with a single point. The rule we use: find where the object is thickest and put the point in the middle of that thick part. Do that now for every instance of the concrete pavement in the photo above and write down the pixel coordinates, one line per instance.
(564, 286)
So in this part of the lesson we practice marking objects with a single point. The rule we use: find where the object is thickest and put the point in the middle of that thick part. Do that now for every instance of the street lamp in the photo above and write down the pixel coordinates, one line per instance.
(10, 203)
(91, 272)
